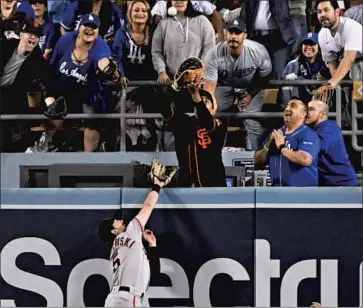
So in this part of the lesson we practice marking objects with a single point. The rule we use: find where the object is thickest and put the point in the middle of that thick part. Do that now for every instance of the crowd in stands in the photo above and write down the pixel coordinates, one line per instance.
(149, 41)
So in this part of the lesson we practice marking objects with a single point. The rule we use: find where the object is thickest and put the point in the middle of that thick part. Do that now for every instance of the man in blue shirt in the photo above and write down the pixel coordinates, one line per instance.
(335, 168)
(292, 151)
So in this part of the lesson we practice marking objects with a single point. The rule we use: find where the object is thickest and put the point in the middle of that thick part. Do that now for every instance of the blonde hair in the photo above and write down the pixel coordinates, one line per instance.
(13, 12)
(148, 21)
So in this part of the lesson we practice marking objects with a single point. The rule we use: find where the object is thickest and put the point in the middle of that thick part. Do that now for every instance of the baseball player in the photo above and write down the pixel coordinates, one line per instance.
(128, 257)
(245, 66)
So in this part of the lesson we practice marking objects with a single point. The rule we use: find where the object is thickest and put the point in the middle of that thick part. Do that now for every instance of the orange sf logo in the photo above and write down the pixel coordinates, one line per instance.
(204, 138)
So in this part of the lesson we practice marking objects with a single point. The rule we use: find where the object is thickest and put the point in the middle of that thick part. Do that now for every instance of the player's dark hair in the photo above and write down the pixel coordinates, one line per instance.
(104, 231)
(334, 3)
(189, 12)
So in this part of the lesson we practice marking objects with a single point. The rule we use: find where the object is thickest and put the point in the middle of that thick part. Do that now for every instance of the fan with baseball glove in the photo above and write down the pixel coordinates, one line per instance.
(189, 72)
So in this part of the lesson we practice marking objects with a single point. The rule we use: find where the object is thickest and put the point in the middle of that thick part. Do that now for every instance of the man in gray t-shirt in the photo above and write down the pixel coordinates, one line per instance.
(245, 66)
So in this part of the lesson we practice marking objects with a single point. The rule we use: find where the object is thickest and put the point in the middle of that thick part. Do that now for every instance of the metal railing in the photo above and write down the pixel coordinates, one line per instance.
(123, 116)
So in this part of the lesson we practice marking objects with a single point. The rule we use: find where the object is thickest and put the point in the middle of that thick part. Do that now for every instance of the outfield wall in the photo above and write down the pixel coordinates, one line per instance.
(219, 247)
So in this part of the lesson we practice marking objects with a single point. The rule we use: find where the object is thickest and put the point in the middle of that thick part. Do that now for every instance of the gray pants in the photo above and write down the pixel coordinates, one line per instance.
(253, 127)
(122, 299)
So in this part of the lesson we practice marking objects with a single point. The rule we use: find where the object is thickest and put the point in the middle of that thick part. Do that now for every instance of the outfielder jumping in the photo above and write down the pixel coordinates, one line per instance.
(129, 261)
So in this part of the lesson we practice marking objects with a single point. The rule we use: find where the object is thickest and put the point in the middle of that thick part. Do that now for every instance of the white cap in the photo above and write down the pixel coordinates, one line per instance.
(172, 11)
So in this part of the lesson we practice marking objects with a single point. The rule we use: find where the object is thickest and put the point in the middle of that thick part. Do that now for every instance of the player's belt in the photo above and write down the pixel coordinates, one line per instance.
(127, 289)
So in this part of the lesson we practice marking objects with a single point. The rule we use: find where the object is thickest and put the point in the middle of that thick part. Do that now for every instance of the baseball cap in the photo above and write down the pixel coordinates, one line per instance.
(90, 19)
(238, 24)
(312, 37)
(33, 27)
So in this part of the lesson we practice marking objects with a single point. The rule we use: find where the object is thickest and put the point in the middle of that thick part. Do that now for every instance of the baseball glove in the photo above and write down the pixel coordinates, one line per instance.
(189, 72)
(324, 93)
(57, 110)
(162, 173)
(111, 71)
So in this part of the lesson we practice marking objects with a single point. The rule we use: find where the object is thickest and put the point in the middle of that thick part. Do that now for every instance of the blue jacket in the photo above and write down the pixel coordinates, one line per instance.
(135, 61)
(334, 165)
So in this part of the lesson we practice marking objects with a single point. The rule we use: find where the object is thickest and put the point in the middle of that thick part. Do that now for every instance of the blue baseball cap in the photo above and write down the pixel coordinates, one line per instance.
(90, 19)
(312, 37)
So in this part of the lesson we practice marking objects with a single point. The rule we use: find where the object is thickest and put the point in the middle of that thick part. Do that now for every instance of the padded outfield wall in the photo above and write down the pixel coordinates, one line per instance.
(219, 247)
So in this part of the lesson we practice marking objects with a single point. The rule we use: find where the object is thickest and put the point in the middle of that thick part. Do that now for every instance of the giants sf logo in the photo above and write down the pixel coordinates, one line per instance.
(204, 138)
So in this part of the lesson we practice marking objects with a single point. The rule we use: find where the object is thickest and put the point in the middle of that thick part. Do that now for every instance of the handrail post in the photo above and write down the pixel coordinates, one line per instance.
(355, 131)
(123, 120)
(338, 105)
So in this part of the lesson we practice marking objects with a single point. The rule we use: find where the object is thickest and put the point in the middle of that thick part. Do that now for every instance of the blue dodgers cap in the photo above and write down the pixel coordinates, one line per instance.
(237, 24)
(311, 37)
(90, 19)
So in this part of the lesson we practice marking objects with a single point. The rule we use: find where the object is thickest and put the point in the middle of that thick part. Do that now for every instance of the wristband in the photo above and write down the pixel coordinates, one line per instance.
(156, 188)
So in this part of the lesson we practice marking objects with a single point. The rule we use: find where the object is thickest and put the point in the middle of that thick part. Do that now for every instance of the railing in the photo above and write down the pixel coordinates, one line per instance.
(122, 115)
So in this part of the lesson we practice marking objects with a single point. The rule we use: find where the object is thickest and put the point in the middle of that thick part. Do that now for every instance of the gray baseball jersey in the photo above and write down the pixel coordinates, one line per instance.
(237, 72)
(129, 260)
(347, 37)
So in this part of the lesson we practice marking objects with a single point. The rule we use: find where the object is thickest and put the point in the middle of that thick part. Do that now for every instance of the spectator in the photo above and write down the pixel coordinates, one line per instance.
(278, 25)
(159, 11)
(308, 65)
(132, 50)
(335, 168)
(56, 9)
(21, 63)
(188, 34)
(49, 37)
(24, 6)
(292, 151)
(77, 57)
(132, 45)
(355, 13)
(199, 139)
(109, 13)
(341, 42)
(11, 20)
(245, 66)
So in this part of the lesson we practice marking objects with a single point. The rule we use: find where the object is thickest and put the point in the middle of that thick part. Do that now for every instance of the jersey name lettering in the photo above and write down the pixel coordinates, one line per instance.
(74, 73)
(123, 242)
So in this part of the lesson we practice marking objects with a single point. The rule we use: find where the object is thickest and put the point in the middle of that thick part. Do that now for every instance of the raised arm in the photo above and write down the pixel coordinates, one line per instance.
(149, 203)
(160, 177)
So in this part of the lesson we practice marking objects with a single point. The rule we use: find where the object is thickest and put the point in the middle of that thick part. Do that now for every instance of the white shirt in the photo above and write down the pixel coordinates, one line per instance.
(205, 7)
(264, 20)
(347, 38)
(129, 262)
